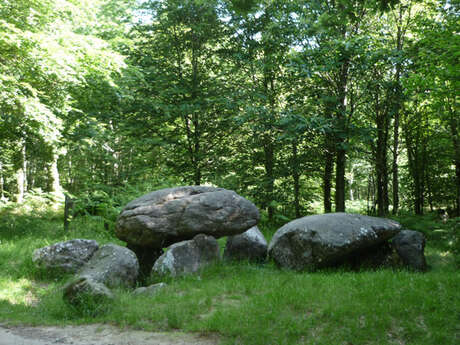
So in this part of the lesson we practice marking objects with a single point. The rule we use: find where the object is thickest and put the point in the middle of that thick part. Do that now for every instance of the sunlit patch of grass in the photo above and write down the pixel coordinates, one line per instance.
(17, 292)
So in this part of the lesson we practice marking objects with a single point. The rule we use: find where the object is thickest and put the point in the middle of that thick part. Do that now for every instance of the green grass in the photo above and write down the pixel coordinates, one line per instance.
(242, 303)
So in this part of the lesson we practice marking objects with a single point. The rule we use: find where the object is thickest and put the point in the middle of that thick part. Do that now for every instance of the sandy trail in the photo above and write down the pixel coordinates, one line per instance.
(95, 335)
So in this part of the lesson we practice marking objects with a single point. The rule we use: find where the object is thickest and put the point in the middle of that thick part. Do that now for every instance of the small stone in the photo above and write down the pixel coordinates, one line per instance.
(150, 290)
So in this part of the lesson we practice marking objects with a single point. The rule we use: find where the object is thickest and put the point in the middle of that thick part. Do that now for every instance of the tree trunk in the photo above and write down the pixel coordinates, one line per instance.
(296, 178)
(395, 163)
(340, 180)
(21, 173)
(352, 180)
(55, 185)
(196, 150)
(381, 156)
(456, 144)
(2, 196)
(269, 176)
(416, 137)
(380, 153)
(382, 178)
(327, 174)
(396, 114)
(368, 195)
(341, 138)
(68, 211)
(418, 206)
(429, 189)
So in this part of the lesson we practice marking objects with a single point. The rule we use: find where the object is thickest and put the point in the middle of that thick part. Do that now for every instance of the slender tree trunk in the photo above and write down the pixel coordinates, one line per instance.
(381, 156)
(352, 180)
(197, 150)
(55, 185)
(341, 139)
(396, 115)
(269, 146)
(21, 174)
(2, 196)
(456, 144)
(195, 134)
(429, 189)
(340, 179)
(296, 178)
(416, 152)
(380, 152)
(395, 168)
(269, 159)
(327, 173)
(380, 183)
(382, 189)
(419, 186)
(368, 195)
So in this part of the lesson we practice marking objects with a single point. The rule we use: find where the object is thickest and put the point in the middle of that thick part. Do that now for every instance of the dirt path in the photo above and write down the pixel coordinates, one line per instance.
(95, 335)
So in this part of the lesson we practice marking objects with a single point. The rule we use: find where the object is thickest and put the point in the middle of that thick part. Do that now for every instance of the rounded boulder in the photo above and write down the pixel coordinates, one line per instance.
(67, 256)
(323, 240)
(168, 216)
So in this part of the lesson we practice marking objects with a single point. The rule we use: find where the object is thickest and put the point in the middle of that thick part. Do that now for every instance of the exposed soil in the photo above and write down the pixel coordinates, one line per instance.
(95, 335)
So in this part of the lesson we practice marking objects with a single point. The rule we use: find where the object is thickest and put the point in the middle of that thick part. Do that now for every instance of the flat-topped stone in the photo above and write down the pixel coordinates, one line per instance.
(167, 216)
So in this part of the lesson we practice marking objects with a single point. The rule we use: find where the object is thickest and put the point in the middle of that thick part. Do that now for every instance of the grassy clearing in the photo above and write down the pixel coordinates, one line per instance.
(243, 303)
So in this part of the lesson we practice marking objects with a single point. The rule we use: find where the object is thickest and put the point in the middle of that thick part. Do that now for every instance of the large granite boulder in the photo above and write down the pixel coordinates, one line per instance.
(113, 266)
(164, 217)
(410, 246)
(323, 240)
(251, 245)
(188, 256)
(67, 256)
(171, 215)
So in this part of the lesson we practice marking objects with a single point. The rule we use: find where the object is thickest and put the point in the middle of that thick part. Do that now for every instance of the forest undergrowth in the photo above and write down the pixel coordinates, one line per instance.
(241, 303)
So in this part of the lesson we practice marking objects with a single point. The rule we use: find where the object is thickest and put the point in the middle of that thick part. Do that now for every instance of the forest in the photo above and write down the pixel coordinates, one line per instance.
(302, 106)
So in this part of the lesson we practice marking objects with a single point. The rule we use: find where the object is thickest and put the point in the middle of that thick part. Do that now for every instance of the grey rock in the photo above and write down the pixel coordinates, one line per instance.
(410, 246)
(113, 266)
(67, 256)
(250, 245)
(149, 290)
(323, 240)
(81, 290)
(167, 216)
(188, 256)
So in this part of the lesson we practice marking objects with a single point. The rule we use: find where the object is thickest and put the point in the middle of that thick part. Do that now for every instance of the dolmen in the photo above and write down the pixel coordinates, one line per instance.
(174, 231)
(165, 217)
